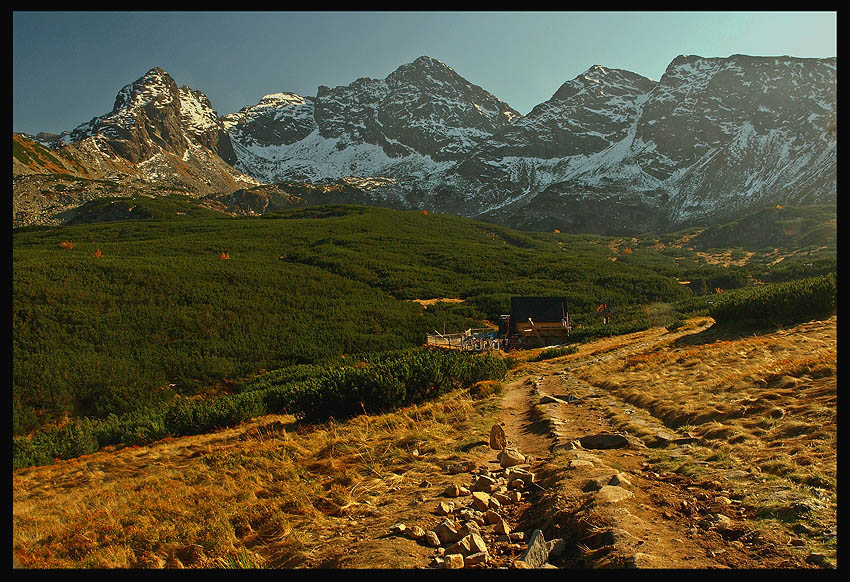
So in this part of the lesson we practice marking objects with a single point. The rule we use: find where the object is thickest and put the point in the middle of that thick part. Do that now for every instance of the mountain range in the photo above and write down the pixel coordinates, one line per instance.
(611, 152)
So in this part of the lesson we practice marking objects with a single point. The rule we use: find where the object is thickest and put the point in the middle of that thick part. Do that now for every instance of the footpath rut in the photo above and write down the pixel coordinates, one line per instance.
(596, 504)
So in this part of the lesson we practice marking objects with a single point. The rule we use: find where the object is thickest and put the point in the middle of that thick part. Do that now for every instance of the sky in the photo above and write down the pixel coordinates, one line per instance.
(67, 67)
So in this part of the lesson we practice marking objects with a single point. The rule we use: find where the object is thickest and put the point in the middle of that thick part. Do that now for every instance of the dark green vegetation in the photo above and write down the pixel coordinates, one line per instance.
(161, 315)
(779, 304)
(378, 383)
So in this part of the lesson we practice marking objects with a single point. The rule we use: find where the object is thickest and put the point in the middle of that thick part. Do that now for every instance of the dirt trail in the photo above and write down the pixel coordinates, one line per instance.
(612, 506)
(661, 521)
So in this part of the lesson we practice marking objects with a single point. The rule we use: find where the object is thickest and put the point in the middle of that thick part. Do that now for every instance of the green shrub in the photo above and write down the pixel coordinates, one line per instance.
(778, 303)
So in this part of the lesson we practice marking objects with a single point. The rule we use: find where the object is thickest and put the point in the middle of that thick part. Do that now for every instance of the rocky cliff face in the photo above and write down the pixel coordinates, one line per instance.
(711, 140)
(420, 118)
(157, 132)
(610, 152)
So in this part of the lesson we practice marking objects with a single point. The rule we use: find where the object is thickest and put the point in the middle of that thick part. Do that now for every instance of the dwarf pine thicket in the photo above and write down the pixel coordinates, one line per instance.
(118, 328)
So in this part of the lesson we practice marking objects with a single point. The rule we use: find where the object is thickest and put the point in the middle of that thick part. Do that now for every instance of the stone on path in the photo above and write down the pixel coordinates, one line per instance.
(502, 527)
(492, 517)
(477, 558)
(453, 490)
(398, 529)
(510, 457)
(452, 561)
(471, 544)
(445, 507)
(415, 533)
(537, 552)
(556, 547)
(446, 532)
(484, 483)
(432, 539)
(460, 467)
(612, 494)
(481, 500)
(620, 480)
(498, 440)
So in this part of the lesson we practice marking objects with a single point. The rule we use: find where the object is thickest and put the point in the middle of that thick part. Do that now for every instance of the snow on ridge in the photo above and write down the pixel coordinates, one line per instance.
(196, 115)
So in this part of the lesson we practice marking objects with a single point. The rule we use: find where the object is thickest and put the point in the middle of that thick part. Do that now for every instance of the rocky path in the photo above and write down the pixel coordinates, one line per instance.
(588, 496)
(549, 483)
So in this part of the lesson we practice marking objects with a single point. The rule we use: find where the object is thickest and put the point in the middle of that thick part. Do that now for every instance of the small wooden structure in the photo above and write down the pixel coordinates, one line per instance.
(537, 321)
(533, 321)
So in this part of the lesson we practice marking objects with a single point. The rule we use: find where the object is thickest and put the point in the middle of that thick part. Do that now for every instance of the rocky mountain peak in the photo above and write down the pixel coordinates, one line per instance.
(611, 151)
(156, 88)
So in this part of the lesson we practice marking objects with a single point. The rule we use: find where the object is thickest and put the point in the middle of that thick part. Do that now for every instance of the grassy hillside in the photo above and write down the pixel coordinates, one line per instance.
(117, 317)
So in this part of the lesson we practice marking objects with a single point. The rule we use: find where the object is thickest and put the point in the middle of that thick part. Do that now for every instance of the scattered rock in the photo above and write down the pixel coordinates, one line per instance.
(469, 528)
(537, 552)
(432, 539)
(445, 508)
(481, 500)
(492, 517)
(519, 473)
(498, 440)
(477, 558)
(452, 490)
(452, 561)
(415, 533)
(502, 528)
(612, 494)
(596, 483)
(570, 446)
(398, 529)
(503, 498)
(484, 483)
(720, 521)
(460, 467)
(556, 547)
(510, 457)
(462, 547)
(620, 480)
(446, 532)
(579, 464)
(468, 545)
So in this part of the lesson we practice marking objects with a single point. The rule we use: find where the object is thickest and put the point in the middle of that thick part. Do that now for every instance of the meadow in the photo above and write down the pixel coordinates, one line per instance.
(118, 319)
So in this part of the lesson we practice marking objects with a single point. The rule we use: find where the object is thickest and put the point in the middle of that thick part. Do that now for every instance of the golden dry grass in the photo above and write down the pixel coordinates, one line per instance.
(259, 495)
(762, 405)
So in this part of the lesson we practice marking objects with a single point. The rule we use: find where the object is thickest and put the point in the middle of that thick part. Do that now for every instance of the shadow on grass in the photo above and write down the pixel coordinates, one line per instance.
(731, 332)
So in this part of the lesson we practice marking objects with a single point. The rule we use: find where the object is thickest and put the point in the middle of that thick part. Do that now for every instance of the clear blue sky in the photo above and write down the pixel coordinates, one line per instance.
(69, 66)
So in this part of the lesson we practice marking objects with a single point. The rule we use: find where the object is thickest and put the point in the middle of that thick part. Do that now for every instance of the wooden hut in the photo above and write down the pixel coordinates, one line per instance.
(538, 321)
